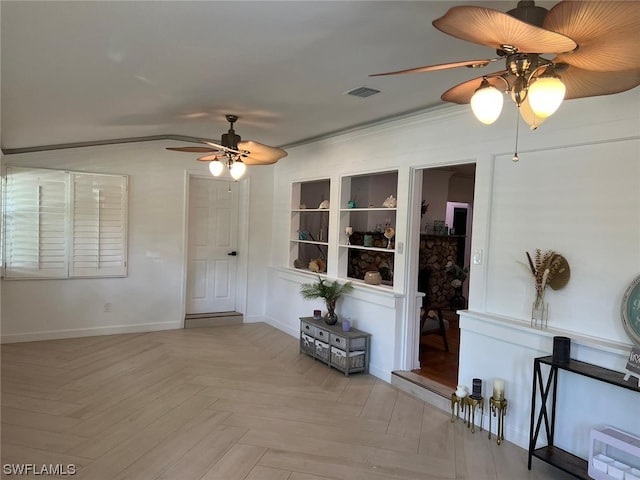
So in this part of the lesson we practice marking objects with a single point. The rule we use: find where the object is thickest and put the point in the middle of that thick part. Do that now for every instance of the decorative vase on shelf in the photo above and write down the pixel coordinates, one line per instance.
(331, 318)
(372, 277)
(539, 310)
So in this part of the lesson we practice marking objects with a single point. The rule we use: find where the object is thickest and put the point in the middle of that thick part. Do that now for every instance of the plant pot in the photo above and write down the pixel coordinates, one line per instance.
(331, 318)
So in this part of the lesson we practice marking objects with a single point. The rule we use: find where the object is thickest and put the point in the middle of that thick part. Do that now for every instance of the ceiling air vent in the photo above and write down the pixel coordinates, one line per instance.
(363, 92)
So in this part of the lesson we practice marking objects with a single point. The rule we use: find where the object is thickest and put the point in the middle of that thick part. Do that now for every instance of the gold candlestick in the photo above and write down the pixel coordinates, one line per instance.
(470, 405)
(498, 407)
(457, 403)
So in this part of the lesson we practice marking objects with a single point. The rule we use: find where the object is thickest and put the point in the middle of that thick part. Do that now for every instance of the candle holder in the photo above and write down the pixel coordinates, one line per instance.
(470, 404)
(348, 231)
(457, 405)
(498, 407)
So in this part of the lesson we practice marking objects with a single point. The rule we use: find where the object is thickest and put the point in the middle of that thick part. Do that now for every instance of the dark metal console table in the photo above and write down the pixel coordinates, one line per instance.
(551, 454)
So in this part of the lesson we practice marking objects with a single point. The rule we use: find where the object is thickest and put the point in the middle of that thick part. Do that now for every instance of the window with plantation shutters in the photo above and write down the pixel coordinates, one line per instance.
(64, 224)
(99, 225)
(35, 222)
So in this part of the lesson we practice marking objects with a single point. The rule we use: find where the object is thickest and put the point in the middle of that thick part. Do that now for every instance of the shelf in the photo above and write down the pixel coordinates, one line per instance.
(369, 209)
(373, 249)
(563, 460)
(310, 242)
(309, 210)
(611, 377)
(548, 384)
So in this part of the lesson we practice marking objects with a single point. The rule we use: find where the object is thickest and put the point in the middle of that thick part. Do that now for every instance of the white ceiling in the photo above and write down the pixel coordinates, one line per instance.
(90, 70)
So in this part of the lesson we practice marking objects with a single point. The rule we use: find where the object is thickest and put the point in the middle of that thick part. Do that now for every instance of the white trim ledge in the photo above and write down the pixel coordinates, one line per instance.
(378, 295)
(520, 332)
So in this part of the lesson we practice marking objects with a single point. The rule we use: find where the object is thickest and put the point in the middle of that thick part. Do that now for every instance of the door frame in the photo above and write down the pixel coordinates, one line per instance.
(242, 266)
(410, 336)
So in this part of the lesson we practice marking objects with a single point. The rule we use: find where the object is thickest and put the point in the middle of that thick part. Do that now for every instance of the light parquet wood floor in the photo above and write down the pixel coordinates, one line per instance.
(227, 403)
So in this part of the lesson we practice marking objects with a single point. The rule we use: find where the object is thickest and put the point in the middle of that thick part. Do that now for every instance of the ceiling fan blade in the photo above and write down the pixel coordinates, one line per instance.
(496, 29)
(587, 83)
(192, 149)
(210, 158)
(607, 33)
(441, 66)
(259, 154)
(463, 92)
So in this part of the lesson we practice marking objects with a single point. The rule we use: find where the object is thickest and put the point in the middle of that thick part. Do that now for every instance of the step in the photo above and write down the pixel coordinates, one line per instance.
(215, 319)
(431, 392)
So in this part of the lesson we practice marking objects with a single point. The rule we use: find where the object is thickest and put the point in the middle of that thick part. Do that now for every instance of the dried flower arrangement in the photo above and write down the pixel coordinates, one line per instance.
(548, 268)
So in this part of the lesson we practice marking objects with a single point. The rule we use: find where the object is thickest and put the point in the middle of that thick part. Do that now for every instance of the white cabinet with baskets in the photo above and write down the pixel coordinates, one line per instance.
(345, 351)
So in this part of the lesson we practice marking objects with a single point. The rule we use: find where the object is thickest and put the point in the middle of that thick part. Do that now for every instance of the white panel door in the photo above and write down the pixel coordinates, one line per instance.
(212, 237)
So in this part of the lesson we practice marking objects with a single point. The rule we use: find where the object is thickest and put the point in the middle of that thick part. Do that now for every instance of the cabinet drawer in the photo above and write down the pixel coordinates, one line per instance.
(307, 328)
(321, 334)
(341, 342)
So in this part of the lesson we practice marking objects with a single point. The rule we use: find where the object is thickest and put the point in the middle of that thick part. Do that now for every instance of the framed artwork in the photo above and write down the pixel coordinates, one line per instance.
(631, 311)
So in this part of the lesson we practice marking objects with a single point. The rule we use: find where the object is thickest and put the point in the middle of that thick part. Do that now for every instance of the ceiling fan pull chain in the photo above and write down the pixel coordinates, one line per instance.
(515, 157)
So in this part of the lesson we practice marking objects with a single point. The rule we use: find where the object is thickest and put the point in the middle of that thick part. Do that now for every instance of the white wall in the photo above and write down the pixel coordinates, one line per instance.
(575, 190)
(151, 296)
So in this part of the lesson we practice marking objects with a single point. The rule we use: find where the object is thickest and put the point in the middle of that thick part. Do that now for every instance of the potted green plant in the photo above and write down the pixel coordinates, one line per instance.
(329, 291)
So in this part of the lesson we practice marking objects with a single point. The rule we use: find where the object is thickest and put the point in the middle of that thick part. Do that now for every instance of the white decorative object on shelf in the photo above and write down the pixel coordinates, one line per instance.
(324, 204)
(390, 202)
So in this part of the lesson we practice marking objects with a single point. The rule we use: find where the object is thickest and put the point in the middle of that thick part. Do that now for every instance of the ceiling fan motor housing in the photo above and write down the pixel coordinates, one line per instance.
(527, 12)
(230, 140)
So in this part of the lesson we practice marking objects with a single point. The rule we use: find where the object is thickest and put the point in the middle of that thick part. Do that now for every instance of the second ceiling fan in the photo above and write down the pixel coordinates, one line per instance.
(234, 153)
(594, 46)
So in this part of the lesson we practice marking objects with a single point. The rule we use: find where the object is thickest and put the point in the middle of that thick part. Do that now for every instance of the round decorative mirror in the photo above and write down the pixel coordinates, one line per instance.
(631, 311)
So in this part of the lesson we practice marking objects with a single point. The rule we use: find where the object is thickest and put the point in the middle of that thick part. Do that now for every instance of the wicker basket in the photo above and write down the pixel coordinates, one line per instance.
(339, 358)
(306, 343)
(322, 350)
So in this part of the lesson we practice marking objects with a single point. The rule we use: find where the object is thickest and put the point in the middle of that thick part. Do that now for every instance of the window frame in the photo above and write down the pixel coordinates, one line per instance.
(68, 224)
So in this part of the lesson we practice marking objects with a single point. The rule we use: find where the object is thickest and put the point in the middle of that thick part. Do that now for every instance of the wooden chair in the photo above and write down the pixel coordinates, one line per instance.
(432, 323)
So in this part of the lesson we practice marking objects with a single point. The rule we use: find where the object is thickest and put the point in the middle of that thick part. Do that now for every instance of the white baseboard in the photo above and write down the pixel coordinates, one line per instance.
(88, 332)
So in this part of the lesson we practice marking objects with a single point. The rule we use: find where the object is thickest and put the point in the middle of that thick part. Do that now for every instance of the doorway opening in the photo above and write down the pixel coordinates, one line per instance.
(443, 268)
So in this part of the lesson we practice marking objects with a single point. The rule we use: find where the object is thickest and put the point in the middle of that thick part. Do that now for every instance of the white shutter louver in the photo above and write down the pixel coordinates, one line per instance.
(35, 224)
(61, 224)
(99, 225)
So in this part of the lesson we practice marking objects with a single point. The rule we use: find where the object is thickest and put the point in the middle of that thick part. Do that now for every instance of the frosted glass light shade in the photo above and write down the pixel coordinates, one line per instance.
(528, 114)
(545, 95)
(237, 169)
(486, 104)
(216, 167)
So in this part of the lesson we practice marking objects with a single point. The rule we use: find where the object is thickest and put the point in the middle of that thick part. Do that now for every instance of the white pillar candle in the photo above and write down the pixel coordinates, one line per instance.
(498, 389)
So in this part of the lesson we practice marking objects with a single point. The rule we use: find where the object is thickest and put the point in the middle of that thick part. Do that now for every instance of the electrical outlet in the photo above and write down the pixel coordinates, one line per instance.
(107, 307)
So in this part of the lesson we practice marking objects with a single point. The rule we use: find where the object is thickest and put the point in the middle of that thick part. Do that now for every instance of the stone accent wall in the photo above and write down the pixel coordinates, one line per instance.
(435, 252)
(362, 261)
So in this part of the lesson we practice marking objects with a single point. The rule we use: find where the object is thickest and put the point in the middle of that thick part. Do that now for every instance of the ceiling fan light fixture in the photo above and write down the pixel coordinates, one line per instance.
(528, 115)
(487, 102)
(546, 95)
(237, 169)
(216, 167)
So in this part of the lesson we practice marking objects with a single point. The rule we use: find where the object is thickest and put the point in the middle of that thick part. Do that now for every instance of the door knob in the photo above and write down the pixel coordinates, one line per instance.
(232, 254)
